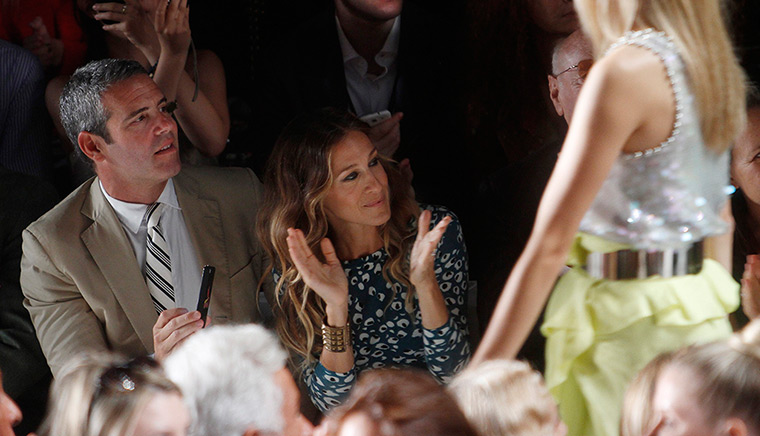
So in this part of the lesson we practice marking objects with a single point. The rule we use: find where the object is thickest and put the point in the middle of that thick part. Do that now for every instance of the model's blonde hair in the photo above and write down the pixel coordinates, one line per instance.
(699, 31)
(296, 182)
(82, 403)
(506, 397)
(638, 418)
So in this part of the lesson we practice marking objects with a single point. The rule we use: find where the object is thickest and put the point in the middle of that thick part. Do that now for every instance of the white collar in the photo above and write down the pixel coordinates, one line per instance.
(390, 47)
(132, 215)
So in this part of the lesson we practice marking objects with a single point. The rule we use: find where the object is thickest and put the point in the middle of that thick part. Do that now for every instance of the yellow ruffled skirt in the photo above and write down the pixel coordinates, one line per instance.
(600, 333)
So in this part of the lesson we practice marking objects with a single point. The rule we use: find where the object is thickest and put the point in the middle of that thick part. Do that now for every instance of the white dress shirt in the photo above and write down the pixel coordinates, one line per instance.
(186, 271)
(370, 93)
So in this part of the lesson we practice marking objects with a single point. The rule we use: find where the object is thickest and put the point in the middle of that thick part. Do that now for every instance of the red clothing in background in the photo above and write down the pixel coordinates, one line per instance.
(58, 17)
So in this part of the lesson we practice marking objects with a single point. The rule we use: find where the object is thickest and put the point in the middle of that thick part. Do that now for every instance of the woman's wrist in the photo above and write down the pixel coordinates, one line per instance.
(336, 315)
(429, 284)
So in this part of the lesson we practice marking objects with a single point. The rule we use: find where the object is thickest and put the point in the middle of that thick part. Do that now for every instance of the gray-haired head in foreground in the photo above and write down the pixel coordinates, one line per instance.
(227, 378)
(81, 102)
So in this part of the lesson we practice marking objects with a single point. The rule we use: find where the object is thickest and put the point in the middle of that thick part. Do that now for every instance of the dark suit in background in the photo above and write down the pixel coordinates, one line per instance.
(305, 72)
(26, 376)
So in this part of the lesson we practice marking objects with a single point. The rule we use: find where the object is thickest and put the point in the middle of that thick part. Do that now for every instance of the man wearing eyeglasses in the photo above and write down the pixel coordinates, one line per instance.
(117, 264)
(571, 62)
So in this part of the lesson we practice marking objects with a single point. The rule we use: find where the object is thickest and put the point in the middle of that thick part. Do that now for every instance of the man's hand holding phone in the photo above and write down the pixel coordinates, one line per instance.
(173, 327)
(176, 325)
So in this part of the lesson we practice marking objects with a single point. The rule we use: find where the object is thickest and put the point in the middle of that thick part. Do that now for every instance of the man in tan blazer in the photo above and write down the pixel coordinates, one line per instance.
(82, 267)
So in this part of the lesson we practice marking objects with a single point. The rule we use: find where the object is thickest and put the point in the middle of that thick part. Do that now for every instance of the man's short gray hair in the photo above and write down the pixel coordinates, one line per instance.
(81, 102)
(227, 377)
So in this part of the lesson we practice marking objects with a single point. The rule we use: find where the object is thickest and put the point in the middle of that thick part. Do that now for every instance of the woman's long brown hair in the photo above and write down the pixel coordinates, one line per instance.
(296, 181)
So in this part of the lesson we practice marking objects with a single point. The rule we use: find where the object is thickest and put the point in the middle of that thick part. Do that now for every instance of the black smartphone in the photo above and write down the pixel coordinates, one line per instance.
(204, 298)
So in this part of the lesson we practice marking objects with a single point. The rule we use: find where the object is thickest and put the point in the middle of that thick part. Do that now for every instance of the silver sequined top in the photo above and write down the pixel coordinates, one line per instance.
(671, 195)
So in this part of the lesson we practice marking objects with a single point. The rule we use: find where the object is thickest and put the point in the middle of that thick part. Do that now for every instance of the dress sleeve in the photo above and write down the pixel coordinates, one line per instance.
(447, 349)
(328, 389)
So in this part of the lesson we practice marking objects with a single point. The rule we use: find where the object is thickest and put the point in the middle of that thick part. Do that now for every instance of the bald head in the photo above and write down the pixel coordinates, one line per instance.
(564, 84)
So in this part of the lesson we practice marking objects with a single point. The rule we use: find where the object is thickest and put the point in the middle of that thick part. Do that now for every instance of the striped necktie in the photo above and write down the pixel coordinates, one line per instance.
(158, 265)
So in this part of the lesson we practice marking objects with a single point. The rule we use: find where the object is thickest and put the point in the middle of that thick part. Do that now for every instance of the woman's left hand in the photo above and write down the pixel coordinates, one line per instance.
(422, 259)
(751, 287)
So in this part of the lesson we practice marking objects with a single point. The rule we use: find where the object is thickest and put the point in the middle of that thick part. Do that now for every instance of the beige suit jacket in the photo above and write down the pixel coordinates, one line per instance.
(85, 291)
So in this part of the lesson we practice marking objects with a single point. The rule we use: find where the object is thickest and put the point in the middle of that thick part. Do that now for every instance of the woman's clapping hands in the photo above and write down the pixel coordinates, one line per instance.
(421, 261)
(328, 279)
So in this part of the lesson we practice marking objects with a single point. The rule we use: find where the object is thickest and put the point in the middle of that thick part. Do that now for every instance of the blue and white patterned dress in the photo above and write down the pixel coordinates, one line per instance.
(385, 335)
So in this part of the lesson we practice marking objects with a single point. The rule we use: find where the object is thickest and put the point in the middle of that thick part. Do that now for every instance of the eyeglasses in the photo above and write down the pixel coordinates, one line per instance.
(583, 68)
(121, 378)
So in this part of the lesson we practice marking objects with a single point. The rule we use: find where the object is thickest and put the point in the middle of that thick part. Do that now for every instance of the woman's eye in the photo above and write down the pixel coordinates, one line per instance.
(351, 176)
(139, 118)
(374, 162)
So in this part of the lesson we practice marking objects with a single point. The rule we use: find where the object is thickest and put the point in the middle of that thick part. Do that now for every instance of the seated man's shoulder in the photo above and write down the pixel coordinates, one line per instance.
(219, 177)
(229, 184)
(65, 220)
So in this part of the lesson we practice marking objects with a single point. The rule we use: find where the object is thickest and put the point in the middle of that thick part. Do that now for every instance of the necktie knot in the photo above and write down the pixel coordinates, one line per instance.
(154, 213)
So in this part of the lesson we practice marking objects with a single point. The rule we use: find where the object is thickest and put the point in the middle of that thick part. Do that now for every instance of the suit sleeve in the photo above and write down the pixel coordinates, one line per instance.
(65, 324)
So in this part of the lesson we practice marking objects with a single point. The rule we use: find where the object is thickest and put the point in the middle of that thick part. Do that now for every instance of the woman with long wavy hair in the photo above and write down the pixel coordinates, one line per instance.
(643, 175)
(357, 285)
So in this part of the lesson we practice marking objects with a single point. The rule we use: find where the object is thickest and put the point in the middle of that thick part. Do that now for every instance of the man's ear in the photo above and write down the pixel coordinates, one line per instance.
(91, 145)
(554, 94)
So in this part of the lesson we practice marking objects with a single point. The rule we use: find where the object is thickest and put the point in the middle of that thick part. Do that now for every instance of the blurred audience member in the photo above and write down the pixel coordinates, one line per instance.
(157, 35)
(745, 204)
(394, 402)
(235, 382)
(711, 389)
(571, 61)
(10, 414)
(48, 29)
(638, 418)
(366, 56)
(514, 136)
(524, 183)
(507, 398)
(365, 276)
(106, 395)
(26, 375)
(24, 128)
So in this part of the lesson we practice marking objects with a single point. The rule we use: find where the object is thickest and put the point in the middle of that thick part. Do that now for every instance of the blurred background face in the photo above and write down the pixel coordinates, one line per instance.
(373, 10)
(553, 16)
(676, 405)
(295, 424)
(745, 159)
(164, 415)
(357, 424)
(566, 87)
(10, 414)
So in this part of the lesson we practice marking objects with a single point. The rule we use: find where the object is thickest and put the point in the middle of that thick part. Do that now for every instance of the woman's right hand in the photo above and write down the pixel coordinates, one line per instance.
(131, 21)
(328, 280)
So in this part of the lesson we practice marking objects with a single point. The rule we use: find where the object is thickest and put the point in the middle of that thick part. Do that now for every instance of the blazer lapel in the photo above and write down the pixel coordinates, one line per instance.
(203, 220)
(114, 255)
